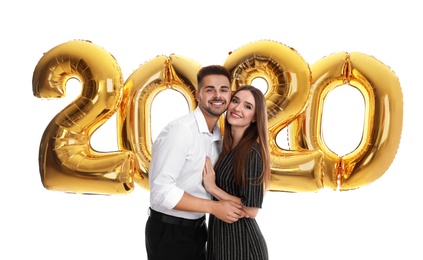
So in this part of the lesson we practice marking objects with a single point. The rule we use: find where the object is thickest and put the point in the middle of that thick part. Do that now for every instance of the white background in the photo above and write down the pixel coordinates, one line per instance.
(381, 220)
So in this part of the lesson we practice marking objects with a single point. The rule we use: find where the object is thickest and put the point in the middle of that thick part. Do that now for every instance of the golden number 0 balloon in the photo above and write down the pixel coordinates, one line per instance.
(383, 119)
(134, 116)
(288, 78)
(66, 160)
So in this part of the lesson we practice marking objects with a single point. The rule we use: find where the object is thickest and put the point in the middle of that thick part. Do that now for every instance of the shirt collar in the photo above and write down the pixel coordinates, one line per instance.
(202, 125)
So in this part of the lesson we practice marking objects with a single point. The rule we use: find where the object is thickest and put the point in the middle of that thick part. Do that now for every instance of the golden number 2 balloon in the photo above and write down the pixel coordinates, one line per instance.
(288, 78)
(383, 119)
(66, 160)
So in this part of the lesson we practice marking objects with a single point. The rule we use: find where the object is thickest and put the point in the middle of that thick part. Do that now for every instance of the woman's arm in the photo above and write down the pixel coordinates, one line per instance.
(209, 180)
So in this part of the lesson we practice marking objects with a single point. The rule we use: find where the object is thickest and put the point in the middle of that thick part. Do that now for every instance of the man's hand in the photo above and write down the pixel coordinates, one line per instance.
(228, 211)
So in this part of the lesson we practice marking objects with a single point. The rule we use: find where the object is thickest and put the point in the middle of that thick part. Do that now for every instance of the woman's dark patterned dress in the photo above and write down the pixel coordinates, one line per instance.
(243, 239)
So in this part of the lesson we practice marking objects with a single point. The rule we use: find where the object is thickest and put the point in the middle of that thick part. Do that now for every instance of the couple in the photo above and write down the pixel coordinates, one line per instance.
(192, 172)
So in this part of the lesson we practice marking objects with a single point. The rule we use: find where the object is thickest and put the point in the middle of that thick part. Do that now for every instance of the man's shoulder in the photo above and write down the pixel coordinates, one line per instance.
(186, 119)
(181, 124)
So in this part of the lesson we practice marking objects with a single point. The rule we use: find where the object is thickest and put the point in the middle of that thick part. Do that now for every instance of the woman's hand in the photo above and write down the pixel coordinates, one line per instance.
(209, 176)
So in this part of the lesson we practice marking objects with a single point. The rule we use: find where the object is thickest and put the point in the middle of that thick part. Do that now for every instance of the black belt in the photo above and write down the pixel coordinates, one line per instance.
(176, 220)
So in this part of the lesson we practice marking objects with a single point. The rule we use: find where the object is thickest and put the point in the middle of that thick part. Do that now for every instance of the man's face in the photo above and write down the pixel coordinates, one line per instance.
(214, 95)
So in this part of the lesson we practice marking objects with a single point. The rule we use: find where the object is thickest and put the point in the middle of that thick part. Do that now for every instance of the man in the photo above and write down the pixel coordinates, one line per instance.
(176, 227)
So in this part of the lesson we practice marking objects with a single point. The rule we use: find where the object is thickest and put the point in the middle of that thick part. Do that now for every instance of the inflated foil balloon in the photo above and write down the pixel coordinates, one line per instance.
(67, 162)
(288, 79)
(134, 116)
(295, 97)
(383, 118)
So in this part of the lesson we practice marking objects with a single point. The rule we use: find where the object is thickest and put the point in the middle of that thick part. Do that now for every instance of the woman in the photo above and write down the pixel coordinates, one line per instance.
(242, 174)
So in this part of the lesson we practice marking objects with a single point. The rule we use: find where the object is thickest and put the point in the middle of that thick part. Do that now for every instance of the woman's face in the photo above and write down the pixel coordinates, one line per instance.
(241, 109)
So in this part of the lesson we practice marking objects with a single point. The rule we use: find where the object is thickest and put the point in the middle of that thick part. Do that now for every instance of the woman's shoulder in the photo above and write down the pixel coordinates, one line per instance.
(255, 149)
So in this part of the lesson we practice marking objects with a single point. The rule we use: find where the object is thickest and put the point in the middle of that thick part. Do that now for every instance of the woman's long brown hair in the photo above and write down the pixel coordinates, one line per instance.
(257, 132)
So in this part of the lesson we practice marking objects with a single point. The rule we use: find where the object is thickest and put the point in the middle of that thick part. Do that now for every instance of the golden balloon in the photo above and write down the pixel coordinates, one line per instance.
(288, 79)
(66, 160)
(143, 85)
(383, 119)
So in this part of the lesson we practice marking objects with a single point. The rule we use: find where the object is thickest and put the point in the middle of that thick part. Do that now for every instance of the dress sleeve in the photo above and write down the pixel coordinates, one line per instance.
(252, 193)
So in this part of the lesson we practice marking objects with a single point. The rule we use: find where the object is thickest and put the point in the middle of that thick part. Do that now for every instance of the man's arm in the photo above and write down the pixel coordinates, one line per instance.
(225, 210)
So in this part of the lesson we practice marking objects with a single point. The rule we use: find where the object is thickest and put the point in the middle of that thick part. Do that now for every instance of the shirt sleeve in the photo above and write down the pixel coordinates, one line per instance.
(169, 153)
(252, 192)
